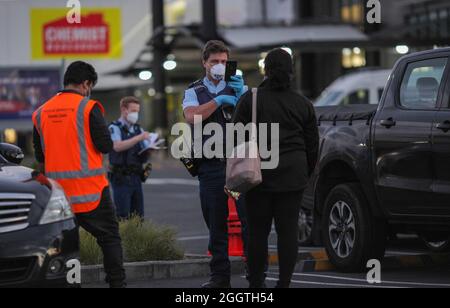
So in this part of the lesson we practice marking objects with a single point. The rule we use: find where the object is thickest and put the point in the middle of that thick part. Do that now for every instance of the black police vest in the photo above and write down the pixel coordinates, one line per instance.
(130, 157)
(204, 96)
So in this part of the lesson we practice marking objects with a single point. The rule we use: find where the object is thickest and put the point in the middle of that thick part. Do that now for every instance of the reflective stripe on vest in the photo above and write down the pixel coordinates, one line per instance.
(85, 199)
(85, 171)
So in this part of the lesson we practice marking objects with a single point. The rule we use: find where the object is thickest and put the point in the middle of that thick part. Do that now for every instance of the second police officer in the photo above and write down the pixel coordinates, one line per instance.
(126, 160)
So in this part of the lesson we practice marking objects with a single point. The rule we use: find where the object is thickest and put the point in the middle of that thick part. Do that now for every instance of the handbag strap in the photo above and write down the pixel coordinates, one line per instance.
(254, 131)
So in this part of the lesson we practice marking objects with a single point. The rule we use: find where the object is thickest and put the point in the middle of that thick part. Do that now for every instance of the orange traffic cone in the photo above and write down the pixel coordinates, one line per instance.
(235, 243)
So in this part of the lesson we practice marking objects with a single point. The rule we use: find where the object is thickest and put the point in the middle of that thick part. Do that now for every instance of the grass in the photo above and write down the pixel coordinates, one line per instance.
(141, 241)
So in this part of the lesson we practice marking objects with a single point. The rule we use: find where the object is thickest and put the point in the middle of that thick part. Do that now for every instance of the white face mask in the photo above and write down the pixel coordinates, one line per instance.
(133, 117)
(218, 71)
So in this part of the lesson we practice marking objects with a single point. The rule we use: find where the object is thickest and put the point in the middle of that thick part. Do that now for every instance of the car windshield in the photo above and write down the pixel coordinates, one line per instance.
(329, 98)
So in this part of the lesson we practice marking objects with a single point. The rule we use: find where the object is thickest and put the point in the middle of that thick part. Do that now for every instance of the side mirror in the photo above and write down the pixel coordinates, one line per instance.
(11, 153)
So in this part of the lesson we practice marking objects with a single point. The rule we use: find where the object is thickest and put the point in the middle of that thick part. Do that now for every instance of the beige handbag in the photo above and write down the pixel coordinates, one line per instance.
(244, 166)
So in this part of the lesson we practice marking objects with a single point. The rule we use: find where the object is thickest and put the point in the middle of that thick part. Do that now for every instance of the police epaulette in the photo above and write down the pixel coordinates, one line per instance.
(196, 84)
(116, 123)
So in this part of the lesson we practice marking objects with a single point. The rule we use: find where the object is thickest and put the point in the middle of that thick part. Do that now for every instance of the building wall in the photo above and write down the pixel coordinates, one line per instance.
(15, 31)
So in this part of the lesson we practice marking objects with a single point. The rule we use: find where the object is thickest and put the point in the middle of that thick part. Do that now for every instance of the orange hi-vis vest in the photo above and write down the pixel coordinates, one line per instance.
(71, 158)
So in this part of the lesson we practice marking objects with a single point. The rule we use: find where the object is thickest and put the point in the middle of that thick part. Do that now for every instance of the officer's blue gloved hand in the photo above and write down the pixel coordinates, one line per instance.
(237, 84)
(226, 100)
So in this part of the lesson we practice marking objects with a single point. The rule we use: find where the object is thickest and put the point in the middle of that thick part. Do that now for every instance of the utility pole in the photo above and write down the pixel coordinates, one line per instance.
(264, 13)
(209, 15)
(160, 117)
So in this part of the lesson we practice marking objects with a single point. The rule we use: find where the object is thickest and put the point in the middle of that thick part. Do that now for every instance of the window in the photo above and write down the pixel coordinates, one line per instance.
(421, 83)
(352, 11)
(328, 99)
(380, 94)
(359, 97)
(352, 58)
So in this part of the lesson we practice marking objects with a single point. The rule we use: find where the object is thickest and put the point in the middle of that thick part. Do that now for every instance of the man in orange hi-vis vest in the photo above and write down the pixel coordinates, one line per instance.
(70, 138)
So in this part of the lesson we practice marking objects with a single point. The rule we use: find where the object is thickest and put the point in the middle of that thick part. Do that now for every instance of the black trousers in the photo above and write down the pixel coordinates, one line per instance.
(262, 209)
(214, 203)
(102, 224)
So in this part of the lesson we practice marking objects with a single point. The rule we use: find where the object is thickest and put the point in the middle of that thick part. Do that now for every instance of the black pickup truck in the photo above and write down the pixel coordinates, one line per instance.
(385, 168)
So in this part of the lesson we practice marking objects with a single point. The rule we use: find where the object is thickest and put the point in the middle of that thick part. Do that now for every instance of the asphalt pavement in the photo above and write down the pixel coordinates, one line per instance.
(172, 198)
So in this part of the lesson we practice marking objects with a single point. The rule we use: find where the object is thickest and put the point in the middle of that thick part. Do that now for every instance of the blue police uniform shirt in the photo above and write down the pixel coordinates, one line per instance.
(116, 134)
(190, 96)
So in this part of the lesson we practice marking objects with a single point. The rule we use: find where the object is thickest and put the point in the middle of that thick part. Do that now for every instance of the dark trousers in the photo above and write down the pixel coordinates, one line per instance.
(262, 209)
(214, 203)
(102, 224)
(128, 196)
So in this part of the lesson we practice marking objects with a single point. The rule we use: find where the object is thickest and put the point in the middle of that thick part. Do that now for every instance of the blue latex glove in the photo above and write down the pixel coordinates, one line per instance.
(226, 100)
(237, 84)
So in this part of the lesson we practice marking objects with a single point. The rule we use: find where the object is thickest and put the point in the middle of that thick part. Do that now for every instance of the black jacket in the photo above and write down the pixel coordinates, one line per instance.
(101, 136)
(299, 136)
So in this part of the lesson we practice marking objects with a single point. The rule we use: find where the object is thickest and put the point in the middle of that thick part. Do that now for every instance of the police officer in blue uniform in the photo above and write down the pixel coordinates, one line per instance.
(127, 159)
(212, 98)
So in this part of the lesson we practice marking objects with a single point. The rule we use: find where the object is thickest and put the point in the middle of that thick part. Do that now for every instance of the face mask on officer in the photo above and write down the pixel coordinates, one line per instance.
(218, 72)
(133, 117)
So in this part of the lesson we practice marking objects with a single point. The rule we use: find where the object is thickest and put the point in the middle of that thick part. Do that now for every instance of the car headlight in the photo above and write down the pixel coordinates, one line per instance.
(58, 208)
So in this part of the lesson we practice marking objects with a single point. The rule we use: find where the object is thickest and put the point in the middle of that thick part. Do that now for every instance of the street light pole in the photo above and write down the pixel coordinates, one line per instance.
(159, 56)
(209, 15)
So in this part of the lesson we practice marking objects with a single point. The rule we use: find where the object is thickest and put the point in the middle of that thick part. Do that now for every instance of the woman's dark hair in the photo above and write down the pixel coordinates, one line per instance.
(78, 72)
(279, 69)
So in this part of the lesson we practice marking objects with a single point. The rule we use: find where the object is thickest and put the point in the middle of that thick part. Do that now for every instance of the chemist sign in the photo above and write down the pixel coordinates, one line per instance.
(97, 36)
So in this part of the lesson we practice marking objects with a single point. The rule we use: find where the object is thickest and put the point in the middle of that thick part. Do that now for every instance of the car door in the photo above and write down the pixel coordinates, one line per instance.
(441, 154)
(403, 159)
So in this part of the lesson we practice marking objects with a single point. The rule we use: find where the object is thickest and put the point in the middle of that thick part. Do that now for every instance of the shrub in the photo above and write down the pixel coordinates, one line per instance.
(141, 241)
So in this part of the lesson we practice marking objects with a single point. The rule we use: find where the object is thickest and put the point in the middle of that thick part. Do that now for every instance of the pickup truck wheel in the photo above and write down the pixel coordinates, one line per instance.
(351, 235)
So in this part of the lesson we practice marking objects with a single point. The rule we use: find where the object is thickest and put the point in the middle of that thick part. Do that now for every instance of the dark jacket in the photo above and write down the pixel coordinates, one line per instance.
(299, 136)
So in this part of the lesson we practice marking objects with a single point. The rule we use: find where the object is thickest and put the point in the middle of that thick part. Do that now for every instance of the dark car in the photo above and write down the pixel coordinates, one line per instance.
(38, 234)
(384, 169)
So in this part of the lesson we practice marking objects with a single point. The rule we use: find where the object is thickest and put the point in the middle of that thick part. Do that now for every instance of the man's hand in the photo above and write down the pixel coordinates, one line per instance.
(226, 100)
(237, 84)
(144, 136)
(125, 145)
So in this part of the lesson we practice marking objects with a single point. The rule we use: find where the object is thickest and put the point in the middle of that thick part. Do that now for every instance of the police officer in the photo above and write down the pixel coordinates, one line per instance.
(209, 98)
(127, 159)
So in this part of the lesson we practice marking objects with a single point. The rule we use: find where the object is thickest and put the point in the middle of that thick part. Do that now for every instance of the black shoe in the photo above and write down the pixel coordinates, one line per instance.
(216, 284)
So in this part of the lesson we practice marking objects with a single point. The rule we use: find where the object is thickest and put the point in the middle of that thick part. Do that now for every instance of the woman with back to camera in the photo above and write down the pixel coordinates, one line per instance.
(279, 196)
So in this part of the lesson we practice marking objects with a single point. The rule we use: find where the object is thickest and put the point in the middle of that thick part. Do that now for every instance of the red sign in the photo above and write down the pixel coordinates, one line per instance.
(91, 36)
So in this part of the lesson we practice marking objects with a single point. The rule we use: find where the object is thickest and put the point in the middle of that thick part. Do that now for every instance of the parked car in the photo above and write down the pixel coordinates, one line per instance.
(385, 169)
(359, 88)
(38, 234)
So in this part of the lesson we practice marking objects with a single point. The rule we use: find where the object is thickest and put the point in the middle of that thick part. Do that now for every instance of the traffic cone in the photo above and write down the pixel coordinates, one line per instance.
(235, 243)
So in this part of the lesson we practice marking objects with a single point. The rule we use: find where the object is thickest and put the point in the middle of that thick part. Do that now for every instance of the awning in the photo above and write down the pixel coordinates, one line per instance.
(20, 125)
(308, 35)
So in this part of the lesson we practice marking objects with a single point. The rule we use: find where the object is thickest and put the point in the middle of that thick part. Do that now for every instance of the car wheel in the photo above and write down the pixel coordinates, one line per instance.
(351, 235)
(305, 227)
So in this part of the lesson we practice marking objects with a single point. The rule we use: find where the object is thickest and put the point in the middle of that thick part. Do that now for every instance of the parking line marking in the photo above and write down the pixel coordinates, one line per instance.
(362, 280)
(403, 253)
(337, 284)
(193, 238)
(173, 181)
